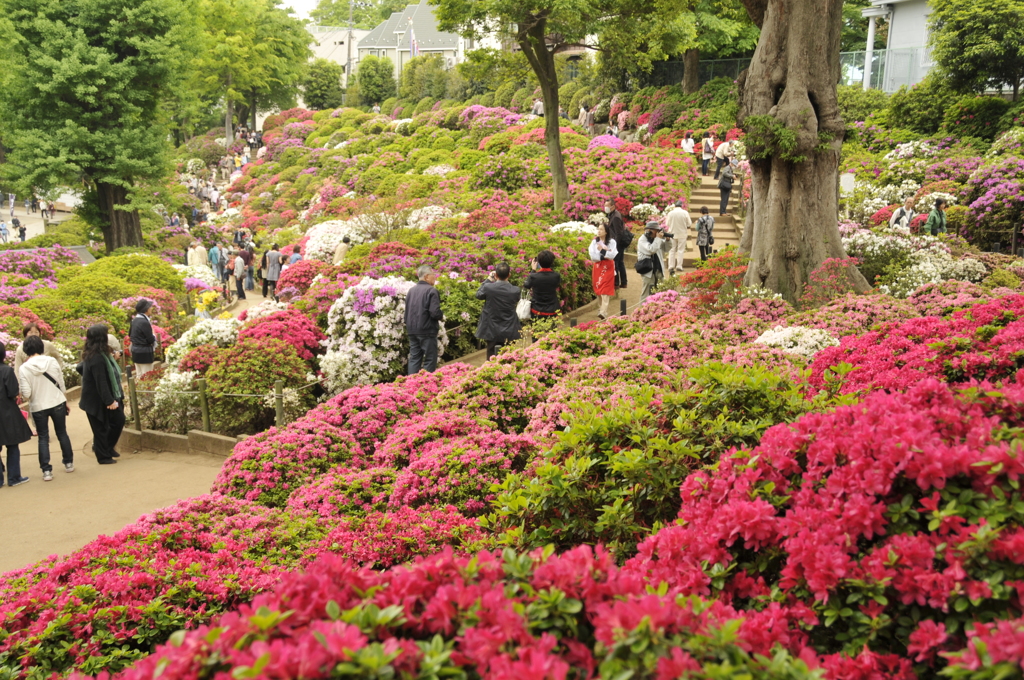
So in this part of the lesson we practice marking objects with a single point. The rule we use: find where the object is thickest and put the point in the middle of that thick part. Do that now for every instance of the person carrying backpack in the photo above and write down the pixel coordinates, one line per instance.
(42, 387)
(623, 237)
(707, 152)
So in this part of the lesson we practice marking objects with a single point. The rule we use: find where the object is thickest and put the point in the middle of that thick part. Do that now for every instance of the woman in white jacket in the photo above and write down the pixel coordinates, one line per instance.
(42, 388)
(602, 254)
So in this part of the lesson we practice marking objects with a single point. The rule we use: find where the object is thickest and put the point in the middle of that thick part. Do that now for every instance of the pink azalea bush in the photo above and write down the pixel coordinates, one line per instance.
(290, 326)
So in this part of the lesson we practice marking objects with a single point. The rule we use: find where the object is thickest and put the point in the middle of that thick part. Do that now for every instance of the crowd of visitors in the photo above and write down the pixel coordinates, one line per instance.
(37, 379)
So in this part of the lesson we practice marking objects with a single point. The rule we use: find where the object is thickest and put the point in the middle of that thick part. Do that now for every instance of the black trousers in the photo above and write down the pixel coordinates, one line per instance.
(705, 162)
(272, 289)
(265, 282)
(620, 270)
(725, 200)
(106, 430)
(494, 346)
(422, 353)
(705, 252)
(58, 414)
(719, 164)
(239, 286)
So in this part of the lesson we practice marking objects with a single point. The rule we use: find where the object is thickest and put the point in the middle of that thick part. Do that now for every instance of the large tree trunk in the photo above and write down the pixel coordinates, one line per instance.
(532, 41)
(792, 226)
(123, 228)
(691, 70)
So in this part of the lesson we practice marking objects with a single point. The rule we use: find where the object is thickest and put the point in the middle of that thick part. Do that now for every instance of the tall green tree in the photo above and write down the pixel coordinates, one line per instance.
(542, 29)
(252, 53)
(321, 88)
(855, 28)
(376, 79)
(789, 107)
(365, 13)
(979, 44)
(81, 103)
(721, 27)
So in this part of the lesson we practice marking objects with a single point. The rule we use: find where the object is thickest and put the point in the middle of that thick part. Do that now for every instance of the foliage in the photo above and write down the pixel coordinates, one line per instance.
(614, 477)
(975, 117)
(251, 367)
(376, 79)
(922, 107)
(76, 79)
(321, 87)
(977, 44)
(857, 104)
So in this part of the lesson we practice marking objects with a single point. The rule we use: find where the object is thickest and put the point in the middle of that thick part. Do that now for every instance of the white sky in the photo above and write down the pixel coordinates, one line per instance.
(302, 7)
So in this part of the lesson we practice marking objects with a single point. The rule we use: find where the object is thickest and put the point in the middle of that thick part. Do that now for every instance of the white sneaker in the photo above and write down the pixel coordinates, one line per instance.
(69, 467)
(47, 476)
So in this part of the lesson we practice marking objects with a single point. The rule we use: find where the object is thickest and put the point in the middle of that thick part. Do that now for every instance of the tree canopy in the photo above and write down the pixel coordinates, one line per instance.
(376, 78)
(252, 53)
(365, 13)
(321, 88)
(979, 44)
(81, 103)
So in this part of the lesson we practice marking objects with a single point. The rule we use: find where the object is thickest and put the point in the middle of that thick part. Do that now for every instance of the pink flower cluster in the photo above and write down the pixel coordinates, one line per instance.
(291, 326)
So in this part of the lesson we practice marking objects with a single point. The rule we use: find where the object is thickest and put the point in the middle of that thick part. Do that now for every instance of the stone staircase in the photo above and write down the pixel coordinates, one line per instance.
(728, 229)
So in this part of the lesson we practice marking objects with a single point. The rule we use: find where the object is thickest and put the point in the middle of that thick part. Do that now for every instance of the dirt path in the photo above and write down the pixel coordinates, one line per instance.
(58, 517)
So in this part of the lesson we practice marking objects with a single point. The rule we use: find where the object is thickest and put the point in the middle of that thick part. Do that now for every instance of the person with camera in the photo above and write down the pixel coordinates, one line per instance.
(544, 284)
(603, 253)
(499, 323)
(649, 263)
(41, 383)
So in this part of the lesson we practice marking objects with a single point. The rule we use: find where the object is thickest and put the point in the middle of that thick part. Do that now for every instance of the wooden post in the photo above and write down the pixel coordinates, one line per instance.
(279, 402)
(204, 405)
(572, 322)
(622, 307)
(133, 395)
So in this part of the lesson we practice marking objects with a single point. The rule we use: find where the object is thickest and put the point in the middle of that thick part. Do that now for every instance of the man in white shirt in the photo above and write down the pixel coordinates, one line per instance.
(677, 231)
(902, 216)
(723, 154)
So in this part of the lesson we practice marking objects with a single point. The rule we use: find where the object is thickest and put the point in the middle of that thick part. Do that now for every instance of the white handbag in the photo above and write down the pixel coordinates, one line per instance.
(523, 309)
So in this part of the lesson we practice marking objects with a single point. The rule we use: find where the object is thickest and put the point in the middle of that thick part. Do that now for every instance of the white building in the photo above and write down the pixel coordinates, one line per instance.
(906, 59)
(339, 45)
(413, 32)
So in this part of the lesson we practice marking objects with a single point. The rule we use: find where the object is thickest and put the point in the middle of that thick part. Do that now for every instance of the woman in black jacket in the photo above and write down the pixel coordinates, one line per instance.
(544, 285)
(13, 428)
(142, 338)
(102, 398)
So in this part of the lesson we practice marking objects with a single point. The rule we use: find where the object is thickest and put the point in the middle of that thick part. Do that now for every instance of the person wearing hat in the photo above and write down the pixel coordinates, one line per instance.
(649, 263)
(143, 340)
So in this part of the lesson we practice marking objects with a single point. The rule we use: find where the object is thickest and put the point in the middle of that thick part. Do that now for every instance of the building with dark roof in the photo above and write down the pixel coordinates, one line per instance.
(394, 39)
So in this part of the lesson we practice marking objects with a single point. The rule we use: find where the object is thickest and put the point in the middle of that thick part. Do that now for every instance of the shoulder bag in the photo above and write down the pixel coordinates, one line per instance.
(644, 266)
(523, 310)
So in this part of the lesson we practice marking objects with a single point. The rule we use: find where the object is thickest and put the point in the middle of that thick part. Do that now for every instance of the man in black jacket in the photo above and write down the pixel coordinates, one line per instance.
(617, 230)
(422, 314)
(499, 323)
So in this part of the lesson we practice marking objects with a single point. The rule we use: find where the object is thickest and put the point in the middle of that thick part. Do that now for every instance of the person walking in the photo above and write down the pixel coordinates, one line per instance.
(902, 216)
(688, 143)
(296, 256)
(591, 120)
(342, 250)
(499, 323)
(102, 398)
(31, 329)
(936, 223)
(707, 152)
(623, 237)
(723, 157)
(649, 263)
(725, 188)
(42, 387)
(19, 227)
(602, 274)
(14, 431)
(238, 271)
(4, 233)
(202, 257)
(422, 317)
(705, 233)
(581, 119)
(544, 284)
(274, 261)
(143, 340)
(677, 232)
(249, 257)
(215, 261)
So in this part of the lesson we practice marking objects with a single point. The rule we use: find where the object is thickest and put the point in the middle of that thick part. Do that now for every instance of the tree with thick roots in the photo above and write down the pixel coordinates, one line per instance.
(790, 110)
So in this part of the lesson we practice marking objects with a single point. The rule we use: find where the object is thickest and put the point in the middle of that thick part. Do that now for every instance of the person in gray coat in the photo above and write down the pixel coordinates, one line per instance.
(274, 262)
(499, 323)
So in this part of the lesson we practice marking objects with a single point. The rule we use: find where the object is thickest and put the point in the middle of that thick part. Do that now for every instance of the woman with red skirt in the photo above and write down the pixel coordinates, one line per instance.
(602, 253)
